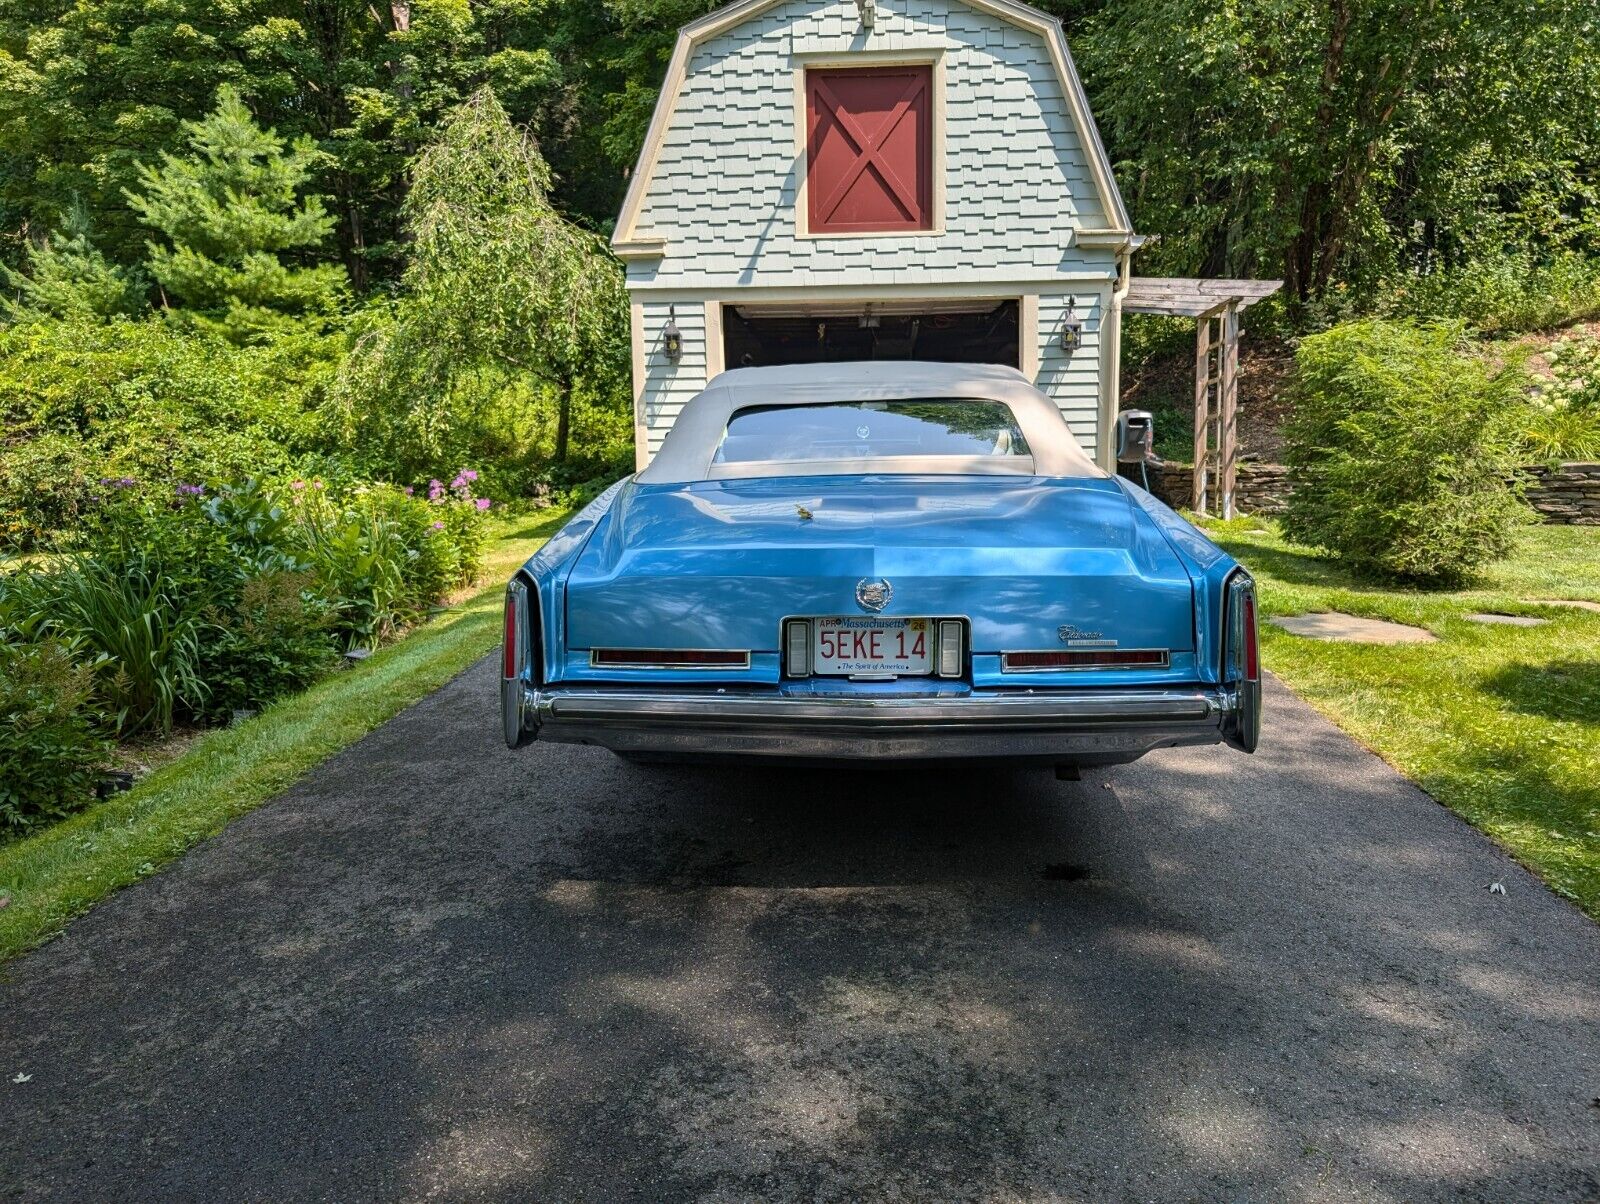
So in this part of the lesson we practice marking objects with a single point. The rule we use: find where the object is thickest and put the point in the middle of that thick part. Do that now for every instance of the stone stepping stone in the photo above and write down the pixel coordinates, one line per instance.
(1331, 625)
(1509, 620)
(1580, 603)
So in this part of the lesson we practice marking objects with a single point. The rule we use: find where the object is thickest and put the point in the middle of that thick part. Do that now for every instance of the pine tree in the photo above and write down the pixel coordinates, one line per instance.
(66, 276)
(230, 209)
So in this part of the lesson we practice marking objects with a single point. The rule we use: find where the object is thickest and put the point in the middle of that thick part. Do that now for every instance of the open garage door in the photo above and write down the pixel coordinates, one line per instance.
(954, 331)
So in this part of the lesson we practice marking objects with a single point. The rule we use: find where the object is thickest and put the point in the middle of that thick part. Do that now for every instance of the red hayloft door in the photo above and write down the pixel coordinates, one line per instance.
(869, 149)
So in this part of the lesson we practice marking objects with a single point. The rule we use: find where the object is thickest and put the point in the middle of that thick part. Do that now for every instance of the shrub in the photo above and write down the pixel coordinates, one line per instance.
(50, 752)
(1403, 447)
(277, 639)
(382, 555)
(146, 401)
(188, 606)
(46, 484)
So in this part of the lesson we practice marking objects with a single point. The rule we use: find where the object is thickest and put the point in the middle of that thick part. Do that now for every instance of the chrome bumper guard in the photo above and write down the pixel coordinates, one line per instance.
(1088, 727)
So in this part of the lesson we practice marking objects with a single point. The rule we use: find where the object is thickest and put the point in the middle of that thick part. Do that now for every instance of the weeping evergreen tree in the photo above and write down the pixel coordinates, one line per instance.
(502, 293)
(232, 217)
(66, 276)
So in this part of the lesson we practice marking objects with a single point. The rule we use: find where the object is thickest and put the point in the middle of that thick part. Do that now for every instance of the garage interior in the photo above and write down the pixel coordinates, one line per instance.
(954, 331)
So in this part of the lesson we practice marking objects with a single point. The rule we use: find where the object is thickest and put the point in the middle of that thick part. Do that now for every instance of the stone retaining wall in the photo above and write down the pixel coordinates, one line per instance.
(1565, 493)
(1261, 488)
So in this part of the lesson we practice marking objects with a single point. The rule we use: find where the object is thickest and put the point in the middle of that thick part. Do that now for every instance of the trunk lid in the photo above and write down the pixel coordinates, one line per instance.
(719, 564)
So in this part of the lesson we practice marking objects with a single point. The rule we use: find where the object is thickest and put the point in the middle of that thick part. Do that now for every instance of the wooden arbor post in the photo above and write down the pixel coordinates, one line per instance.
(1215, 306)
(1216, 409)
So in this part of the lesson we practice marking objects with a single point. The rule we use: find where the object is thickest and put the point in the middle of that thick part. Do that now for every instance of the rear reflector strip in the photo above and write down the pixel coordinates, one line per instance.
(667, 658)
(1110, 658)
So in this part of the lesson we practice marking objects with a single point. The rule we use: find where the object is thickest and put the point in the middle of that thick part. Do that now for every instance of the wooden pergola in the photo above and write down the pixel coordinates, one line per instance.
(1212, 304)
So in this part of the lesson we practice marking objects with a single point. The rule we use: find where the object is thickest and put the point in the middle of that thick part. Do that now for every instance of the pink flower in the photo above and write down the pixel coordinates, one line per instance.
(410, 491)
(435, 489)
(297, 486)
(438, 526)
(483, 503)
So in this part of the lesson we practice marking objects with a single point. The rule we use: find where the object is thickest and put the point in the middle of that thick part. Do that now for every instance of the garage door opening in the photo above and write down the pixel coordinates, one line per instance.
(962, 332)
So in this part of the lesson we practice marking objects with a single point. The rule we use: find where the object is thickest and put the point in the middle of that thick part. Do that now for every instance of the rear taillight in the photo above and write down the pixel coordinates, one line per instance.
(517, 666)
(1252, 653)
(1100, 658)
(668, 658)
(1241, 662)
(1241, 656)
(510, 667)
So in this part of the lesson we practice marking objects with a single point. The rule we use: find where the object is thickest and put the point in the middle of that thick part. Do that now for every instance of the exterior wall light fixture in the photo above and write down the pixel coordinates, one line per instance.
(672, 337)
(1071, 328)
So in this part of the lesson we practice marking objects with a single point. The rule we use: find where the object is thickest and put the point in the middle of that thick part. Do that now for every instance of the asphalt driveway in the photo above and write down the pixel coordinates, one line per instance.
(439, 969)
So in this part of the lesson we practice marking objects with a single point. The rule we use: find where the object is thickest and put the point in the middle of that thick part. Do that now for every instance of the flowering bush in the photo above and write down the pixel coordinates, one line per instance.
(382, 555)
(185, 602)
(1564, 410)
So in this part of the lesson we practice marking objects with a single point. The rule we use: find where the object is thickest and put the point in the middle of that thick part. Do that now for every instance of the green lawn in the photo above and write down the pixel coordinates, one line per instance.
(1500, 724)
(62, 871)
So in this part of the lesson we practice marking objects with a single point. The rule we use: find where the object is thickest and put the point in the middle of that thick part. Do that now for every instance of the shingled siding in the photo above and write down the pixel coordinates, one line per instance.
(1562, 493)
(1016, 180)
(668, 385)
(1072, 381)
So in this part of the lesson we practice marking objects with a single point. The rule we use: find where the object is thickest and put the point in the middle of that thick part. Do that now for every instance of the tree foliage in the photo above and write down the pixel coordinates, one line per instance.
(1337, 141)
(500, 287)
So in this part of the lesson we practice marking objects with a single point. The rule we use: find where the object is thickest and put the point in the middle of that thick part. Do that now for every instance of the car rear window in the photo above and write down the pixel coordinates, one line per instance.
(871, 430)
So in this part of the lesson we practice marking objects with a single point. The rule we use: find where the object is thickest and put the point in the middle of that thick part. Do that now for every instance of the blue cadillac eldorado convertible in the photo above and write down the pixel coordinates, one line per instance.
(879, 561)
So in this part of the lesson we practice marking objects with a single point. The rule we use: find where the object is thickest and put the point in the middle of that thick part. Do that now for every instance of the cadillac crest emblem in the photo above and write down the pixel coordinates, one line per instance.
(873, 595)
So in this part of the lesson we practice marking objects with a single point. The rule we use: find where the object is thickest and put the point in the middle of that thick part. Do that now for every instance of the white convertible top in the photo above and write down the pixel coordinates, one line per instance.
(692, 442)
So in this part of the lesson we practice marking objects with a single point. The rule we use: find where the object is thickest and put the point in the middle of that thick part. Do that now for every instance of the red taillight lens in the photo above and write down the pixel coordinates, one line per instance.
(1132, 658)
(1252, 656)
(668, 658)
(509, 666)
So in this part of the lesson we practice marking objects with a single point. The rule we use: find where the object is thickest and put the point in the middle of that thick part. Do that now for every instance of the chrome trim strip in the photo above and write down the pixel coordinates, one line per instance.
(1005, 657)
(673, 666)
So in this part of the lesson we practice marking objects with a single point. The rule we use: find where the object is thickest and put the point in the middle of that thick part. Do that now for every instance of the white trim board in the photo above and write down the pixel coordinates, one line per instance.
(731, 15)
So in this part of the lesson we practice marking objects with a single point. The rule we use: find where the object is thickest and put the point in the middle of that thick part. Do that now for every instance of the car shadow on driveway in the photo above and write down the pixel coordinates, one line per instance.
(439, 968)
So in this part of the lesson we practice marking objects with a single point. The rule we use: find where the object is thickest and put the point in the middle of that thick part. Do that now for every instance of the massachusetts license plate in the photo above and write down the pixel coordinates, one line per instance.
(846, 646)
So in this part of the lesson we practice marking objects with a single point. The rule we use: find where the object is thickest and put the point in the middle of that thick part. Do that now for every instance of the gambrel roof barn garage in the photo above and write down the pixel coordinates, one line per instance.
(875, 179)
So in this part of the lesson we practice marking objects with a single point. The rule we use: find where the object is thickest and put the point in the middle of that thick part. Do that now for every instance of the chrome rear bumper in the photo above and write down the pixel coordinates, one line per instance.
(1099, 726)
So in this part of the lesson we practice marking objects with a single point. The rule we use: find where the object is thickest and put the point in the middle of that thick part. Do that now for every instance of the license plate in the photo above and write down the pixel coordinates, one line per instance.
(847, 646)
